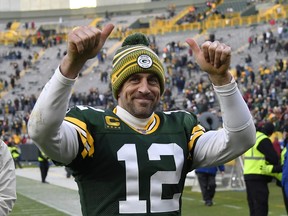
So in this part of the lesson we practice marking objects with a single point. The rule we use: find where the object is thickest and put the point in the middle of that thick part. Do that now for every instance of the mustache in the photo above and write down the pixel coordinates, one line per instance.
(143, 96)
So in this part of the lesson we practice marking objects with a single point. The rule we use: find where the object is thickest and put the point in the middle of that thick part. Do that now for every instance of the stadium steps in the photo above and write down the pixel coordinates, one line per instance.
(237, 6)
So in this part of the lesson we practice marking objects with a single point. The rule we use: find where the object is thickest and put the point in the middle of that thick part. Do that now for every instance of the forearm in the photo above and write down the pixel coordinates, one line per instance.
(235, 113)
(46, 127)
(69, 68)
(236, 136)
(237, 119)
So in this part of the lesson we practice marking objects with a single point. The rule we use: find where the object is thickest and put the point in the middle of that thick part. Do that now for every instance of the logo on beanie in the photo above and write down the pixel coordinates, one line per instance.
(144, 61)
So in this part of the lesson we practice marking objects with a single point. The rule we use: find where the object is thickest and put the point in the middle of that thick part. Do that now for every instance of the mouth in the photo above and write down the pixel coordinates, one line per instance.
(143, 101)
(147, 98)
(143, 97)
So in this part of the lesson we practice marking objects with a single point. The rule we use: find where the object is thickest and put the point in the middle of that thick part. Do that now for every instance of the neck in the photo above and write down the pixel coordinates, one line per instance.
(132, 120)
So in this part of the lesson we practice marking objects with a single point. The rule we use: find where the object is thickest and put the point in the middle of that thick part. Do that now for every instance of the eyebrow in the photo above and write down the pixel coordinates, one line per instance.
(149, 76)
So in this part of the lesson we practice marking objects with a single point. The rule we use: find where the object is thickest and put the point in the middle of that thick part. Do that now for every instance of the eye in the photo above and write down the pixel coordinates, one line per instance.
(153, 80)
(134, 79)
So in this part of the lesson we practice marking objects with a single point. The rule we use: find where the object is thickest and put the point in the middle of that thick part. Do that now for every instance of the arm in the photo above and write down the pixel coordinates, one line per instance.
(7, 180)
(57, 139)
(238, 132)
(221, 168)
(266, 147)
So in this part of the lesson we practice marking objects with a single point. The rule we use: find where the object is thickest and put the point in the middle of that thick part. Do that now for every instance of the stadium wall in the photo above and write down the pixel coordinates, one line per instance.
(120, 2)
(31, 5)
(16, 12)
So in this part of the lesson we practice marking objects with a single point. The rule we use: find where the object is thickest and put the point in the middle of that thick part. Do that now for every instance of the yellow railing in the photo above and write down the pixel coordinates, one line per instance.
(15, 25)
(96, 21)
(179, 16)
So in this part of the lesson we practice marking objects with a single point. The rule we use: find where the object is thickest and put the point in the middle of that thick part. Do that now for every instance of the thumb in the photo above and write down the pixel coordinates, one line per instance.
(194, 46)
(198, 54)
(106, 31)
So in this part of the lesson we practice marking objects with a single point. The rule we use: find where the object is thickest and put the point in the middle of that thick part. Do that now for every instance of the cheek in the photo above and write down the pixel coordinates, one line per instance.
(129, 89)
(156, 91)
(124, 92)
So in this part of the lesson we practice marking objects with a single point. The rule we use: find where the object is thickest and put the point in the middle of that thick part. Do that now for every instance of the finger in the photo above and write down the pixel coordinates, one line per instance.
(205, 49)
(226, 55)
(106, 31)
(222, 55)
(92, 37)
(75, 42)
(83, 42)
(211, 50)
(102, 35)
(218, 55)
(194, 46)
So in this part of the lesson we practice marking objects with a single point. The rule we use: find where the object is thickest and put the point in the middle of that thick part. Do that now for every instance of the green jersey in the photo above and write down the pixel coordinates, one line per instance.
(122, 171)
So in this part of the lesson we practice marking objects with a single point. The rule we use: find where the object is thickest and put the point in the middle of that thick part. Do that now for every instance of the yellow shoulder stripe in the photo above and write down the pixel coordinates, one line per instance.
(197, 131)
(86, 137)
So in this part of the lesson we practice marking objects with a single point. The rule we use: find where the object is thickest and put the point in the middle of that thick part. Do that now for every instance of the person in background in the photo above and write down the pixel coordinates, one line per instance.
(261, 164)
(7, 180)
(44, 164)
(277, 146)
(136, 154)
(207, 181)
(207, 175)
(16, 153)
(284, 160)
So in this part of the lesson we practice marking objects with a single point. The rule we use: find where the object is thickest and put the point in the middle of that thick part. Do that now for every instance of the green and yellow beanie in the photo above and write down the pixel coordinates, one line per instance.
(135, 56)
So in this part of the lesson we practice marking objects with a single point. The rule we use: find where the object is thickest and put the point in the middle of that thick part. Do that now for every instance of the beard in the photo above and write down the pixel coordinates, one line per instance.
(141, 109)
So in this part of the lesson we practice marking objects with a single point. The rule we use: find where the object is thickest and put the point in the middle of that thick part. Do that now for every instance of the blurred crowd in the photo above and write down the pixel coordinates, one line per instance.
(264, 86)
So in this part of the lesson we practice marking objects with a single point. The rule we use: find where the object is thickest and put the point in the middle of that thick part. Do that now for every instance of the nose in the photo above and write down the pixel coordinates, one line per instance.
(144, 86)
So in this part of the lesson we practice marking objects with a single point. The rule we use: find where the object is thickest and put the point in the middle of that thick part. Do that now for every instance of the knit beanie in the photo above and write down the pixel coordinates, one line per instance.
(135, 56)
(268, 128)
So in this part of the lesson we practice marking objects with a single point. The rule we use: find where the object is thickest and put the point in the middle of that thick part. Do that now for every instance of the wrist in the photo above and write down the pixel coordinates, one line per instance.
(220, 80)
(71, 68)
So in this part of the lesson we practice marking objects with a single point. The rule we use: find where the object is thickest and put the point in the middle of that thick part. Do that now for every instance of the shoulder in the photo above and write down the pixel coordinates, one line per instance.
(83, 108)
(179, 117)
(84, 116)
(86, 111)
(183, 114)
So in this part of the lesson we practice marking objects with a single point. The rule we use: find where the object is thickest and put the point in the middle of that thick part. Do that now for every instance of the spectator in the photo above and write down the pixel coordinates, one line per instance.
(16, 153)
(43, 160)
(261, 163)
(207, 181)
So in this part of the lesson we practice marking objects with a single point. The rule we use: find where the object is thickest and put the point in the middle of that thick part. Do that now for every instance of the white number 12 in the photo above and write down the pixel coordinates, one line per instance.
(132, 204)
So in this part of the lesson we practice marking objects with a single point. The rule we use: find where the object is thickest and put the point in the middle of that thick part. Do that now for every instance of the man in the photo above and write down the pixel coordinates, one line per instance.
(207, 175)
(15, 152)
(43, 160)
(207, 181)
(134, 160)
(261, 164)
(7, 180)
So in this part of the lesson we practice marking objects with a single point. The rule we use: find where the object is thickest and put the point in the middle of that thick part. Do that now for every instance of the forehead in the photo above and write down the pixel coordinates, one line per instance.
(144, 75)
